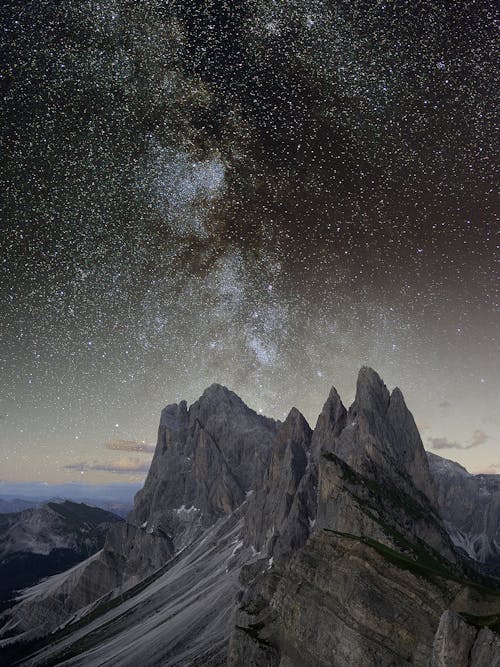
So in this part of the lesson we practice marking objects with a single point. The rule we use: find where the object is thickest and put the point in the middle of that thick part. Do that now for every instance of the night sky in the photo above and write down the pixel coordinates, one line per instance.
(265, 194)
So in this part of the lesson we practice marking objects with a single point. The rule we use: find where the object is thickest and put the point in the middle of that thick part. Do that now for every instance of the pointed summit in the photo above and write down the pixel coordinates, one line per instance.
(219, 402)
(381, 431)
(372, 396)
(216, 390)
(280, 513)
(217, 396)
(206, 459)
(294, 426)
(329, 425)
(380, 444)
(174, 416)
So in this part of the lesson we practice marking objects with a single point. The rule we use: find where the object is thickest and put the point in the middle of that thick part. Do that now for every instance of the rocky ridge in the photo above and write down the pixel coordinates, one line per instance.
(470, 508)
(38, 542)
(333, 535)
(373, 581)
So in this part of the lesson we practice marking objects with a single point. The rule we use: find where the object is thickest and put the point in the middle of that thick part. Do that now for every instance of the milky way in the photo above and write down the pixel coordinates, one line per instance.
(263, 194)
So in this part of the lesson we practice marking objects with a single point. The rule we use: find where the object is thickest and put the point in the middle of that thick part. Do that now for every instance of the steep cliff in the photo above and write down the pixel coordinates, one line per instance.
(371, 584)
(208, 460)
(470, 507)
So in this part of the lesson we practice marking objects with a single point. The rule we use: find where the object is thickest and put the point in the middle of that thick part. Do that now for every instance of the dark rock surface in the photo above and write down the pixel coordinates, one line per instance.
(457, 642)
(38, 542)
(470, 507)
(282, 509)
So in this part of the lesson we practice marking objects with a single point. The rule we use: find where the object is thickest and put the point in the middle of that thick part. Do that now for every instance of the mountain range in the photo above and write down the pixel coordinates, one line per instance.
(262, 543)
(39, 542)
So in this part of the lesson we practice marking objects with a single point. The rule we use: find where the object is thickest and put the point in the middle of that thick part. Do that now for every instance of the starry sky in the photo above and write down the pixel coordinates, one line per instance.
(259, 193)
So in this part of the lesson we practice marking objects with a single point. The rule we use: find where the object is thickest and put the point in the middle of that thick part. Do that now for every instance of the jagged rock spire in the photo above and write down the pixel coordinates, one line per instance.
(329, 425)
(279, 513)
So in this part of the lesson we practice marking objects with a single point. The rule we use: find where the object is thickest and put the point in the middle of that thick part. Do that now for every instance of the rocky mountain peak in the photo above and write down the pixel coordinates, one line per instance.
(329, 425)
(174, 416)
(372, 396)
(442, 466)
(220, 397)
(380, 432)
(386, 466)
(470, 507)
(208, 457)
(280, 511)
(294, 425)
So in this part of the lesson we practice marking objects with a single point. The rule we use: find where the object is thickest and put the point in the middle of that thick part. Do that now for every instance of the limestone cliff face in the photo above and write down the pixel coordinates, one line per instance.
(381, 435)
(373, 469)
(372, 582)
(470, 507)
(207, 459)
(457, 642)
(343, 600)
(281, 512)
(337, 602)
(330, 424)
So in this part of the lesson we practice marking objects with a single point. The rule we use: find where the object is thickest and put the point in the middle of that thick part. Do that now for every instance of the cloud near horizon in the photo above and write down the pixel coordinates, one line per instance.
(130, 446)
(492, 469)
(128, 465)
(444, 443)
(478, 438)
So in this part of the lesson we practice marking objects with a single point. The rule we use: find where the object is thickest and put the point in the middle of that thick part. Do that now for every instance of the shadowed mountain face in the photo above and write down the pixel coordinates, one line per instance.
(255, 542)
(40, 542)
(470, 507)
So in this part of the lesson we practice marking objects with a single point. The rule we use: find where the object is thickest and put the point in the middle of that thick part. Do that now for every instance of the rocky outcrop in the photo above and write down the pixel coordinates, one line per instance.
(470, 507)
(453, 641)
(373, 466)
(380, 434)
(207, 460)
(335, 602)
(282, 510)
(330, 424)
(457, 642)
(370, 585)
(486, 649)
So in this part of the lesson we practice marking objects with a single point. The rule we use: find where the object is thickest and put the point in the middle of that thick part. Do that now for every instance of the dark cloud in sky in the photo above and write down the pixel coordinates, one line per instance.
(478, 438)
(443, 443)
(130, 446)
(124, 466)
